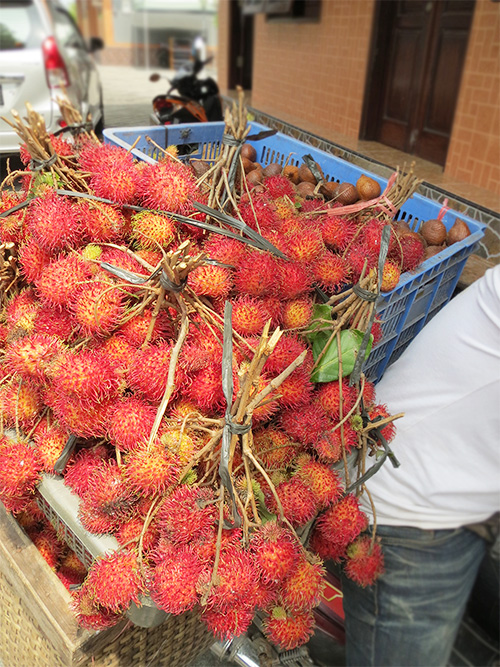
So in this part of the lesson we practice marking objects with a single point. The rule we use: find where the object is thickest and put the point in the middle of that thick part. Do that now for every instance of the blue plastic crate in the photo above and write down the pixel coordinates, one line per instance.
(419, 295)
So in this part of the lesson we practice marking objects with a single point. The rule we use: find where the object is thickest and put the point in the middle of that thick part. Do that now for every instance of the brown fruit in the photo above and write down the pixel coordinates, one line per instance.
(273, 169)
(346, 194)
(305, 189)
(255, 177)
(248, 165)
(292, 173)
(199, 167)
(402, 227)
(248, 151)
(458, 232)
(367, 187)
(328, 189)
(432, 250)
(434, 232)
(305, 174)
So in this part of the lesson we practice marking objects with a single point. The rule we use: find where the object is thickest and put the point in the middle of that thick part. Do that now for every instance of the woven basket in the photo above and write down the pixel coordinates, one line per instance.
(38, 629)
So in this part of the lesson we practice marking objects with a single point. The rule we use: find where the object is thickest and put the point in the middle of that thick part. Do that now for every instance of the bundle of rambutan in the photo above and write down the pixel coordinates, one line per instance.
(189, 387)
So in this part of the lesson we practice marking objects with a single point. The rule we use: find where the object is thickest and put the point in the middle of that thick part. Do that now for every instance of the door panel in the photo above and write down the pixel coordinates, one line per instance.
(418, 55)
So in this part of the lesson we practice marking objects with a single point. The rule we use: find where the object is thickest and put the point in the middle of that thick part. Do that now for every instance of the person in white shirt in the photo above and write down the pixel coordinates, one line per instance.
(447, 384)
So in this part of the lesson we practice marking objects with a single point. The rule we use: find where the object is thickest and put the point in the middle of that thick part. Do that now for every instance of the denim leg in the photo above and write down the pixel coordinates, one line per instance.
(410, 616)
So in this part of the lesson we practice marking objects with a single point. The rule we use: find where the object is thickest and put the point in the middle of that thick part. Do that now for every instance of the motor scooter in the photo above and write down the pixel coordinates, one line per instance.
(196, 100)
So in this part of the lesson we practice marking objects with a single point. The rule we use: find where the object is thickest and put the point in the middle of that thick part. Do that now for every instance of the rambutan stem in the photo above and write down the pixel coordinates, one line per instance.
(341, 413)
(218, 544)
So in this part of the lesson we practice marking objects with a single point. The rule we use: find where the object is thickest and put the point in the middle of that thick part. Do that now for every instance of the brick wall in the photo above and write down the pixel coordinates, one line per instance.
(474, 152)
(315, 71)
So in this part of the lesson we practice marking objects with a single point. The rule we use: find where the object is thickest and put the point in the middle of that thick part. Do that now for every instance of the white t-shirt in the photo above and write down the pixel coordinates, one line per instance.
(447, 383)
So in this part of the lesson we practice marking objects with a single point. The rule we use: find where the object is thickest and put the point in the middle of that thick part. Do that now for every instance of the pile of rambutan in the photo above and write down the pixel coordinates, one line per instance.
(119, 374)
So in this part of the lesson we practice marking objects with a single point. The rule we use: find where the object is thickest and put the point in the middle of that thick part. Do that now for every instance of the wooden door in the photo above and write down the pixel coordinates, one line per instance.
(419, 51)
(240, 48)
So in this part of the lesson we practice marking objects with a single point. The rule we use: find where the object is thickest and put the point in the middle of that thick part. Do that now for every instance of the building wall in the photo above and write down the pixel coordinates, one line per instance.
(315, 71)
(474, 152)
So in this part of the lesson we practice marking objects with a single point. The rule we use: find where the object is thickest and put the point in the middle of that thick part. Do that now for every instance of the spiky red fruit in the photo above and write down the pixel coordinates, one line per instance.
(33, 259)
(51, 321)
(337, 232)
(101, 223)
(330, 399)
(97, 307)
(53, 221)
(324, 482)
(294, 279)
(133, 531)
(340, 525)
(32, 356)
(361, 257)
(305, 246)
(224, 249)
(249, 315)
(297, 313)
(20, 468)
(304, 425)
(59, 279)
(20, 404)
(260, 214)
(174, 579)
(331, 271)
(84, 418)
(211, 280)
(50, 442)
(289, 347)
(114, 174)
(298, 501)
(228, 623)
(168, 186)
(256, 274)
(296, 389)
(86, 374)
(332, 442)
(130, 422)
(89, 613)
(378, 412)
(276, 551)
(49, 545)
(364, 561)
(303, 588)
(237, 579)
(115, 580)
(149, 371)
(149, 470)
(136, 330)
(274, 447)
(390, 276)
(187, 514)
(108, 500)
(79, 471)
(288, 630)
(152, 230)
(372, 235)
(279, 186)
(409, 251)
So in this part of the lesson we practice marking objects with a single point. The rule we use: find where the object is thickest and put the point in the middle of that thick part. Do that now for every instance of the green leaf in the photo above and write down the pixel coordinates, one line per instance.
(328, 368)
(320, 312)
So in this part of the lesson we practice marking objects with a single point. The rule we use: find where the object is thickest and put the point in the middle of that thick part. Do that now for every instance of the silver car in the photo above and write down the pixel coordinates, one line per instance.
(42, 54)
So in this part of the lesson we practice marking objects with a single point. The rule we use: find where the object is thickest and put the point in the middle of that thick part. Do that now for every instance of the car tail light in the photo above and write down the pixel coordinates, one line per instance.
(55, 68)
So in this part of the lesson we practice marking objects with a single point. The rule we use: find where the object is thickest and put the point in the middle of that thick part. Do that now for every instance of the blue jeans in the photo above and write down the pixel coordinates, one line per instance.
(411, 615)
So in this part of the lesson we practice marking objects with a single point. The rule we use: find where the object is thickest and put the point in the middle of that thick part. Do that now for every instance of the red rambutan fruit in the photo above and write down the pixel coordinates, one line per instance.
(288, 630)
(298, 501)
(341, 523)
(108, 500)
(86, 374)
(168, 186)
(79, 470)
(49, 545)
(137, 328)
(20, 468)
(303, 588)
(408, 251)
(237, 579)
(187, 513)
(296, 389)
(149, 371)
(328, 396)
(261, 214)
(150, 230)
(305, 246)
(97, 307)
(364, 561)
(289, 347)
(369, 394)
(276, 551)
(390, 277)
(304, 425)
(324, 482)
(71, 561)
(130, 421)
(101, 223)
(297, 313)
(22, 306)
(294, 279)
(59, 280)
(249, 315)
(331, 271)
(114, 175)
(378, 412)
(51, 321)
(69, 577)
(53, 221)
(256, 274)
(21, 404)
(358, 256)
(372, 234)
(32, 356)
(115, 580)
(279, 186)
(228, 623)
(337, 232)
(12, 228)
(274, 448)
(211, 280)
(331, 443)
(149, 470)
(89, 613)
(132, 530)
(33, 259)
(224, 249)
(119, 352)
(84, 418)
(173, 581)
(50, 442)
